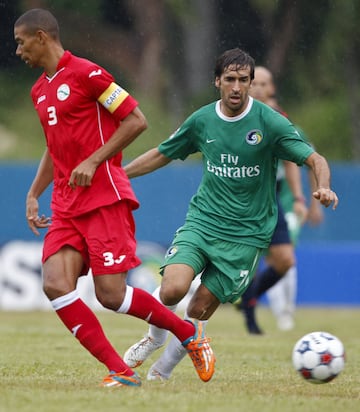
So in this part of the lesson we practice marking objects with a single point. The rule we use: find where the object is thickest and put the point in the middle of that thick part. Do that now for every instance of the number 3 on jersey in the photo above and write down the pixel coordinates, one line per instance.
(52, 115)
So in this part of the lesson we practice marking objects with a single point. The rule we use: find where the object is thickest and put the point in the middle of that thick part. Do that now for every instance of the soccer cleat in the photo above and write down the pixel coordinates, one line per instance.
(201, 354)
(285, 322)
(119, 379)
(140, 351)
(155, 375)
(253, 329)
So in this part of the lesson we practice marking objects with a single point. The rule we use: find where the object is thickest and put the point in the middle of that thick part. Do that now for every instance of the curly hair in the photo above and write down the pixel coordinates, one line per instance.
(236, 57)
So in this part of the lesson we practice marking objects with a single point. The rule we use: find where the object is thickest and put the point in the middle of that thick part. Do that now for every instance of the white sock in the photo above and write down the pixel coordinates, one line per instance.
(276, 297)
(173, 353)
(282, 296)
(158, 335)
(291, 289)
(170, 357)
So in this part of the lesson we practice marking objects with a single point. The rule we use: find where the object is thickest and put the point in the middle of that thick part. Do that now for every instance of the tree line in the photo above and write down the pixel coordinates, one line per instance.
(166, 49)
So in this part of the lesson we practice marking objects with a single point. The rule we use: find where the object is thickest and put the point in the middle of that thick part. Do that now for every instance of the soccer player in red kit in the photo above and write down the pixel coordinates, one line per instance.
(88, 120)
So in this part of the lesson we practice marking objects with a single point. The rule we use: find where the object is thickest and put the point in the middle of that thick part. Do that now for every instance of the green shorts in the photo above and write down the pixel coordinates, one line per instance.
(226, 268)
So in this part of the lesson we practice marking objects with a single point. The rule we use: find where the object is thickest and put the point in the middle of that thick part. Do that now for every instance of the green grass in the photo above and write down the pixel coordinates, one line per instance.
(43, 368)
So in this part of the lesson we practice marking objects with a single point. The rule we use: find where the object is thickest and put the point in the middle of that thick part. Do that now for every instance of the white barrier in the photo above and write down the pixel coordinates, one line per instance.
(20, 276)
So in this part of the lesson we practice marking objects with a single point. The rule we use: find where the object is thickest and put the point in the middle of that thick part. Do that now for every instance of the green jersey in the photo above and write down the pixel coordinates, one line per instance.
(236, 198)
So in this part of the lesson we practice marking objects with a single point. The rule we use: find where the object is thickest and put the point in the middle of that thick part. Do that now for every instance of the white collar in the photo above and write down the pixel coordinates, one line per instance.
(233, 118)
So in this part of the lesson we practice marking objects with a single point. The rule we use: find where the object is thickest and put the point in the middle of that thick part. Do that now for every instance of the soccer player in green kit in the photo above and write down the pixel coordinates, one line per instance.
(231, 218)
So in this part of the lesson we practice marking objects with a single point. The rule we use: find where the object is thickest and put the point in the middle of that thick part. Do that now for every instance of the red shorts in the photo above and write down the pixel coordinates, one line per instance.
(105, 237)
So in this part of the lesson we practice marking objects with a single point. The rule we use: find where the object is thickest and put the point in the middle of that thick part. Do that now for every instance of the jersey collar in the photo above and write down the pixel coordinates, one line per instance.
(64, 60)
(61, 65)
(235, 118)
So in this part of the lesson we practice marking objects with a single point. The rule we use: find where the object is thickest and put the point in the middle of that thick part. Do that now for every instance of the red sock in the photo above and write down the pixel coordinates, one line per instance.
(145, 306)
(83, 324)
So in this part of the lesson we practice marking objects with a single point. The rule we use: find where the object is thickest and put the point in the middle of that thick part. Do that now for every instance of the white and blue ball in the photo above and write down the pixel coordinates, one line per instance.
(319, 357)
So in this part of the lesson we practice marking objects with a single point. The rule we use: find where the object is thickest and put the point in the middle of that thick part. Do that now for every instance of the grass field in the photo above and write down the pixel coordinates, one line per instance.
(44, 369)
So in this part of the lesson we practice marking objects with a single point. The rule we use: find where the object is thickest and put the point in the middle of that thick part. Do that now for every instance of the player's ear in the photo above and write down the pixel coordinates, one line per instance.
(217, 82)
(41, 36)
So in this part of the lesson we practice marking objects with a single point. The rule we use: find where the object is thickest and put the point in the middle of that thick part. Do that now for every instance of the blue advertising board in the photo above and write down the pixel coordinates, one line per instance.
(328, 255)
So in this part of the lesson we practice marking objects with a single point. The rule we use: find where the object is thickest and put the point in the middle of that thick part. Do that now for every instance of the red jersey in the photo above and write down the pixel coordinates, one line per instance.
(80, 107)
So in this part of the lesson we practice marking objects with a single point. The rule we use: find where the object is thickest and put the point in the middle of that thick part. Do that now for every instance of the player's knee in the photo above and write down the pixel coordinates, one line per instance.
(171, 294)
(198, 311)
(108, 302)
(50, 292)
(54, 288)
(284, 264)
(110, 299)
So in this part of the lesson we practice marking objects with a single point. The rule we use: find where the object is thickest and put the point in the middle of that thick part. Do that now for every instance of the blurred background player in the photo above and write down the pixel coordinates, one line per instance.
(279, 278)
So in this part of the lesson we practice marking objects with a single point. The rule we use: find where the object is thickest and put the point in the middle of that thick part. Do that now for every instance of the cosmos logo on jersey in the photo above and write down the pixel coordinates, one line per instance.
(254, 137)
(171, 251)
(63, 92)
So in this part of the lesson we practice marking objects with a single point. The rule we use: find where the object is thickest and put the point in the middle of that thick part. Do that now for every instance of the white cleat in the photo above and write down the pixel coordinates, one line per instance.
(140, 351)
(285, 322)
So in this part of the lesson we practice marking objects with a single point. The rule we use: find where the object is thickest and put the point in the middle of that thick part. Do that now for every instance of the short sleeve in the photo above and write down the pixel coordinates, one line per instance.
(182, 142)
(102, 86)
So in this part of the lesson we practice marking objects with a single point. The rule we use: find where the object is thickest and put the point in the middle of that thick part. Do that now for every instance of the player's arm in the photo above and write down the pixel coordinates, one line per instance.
(315, 215)
(43, 178)
(131, 126)
(321, 170)
(146, 163)
(293, 177)
(129, 129)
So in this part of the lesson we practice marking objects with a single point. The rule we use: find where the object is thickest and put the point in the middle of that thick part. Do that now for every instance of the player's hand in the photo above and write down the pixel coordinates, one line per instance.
(35, 221)
(82, 174)
(326, 197)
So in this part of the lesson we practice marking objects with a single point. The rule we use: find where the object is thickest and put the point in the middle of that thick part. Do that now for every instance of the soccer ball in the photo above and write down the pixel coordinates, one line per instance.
(319, 357)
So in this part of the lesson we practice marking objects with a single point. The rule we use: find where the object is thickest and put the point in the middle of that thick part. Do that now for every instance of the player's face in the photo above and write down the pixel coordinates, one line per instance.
(233, 85)
(262, 87)
(28, 46)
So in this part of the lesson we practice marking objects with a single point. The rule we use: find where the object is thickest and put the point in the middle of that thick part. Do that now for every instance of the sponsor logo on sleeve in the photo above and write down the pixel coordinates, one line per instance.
(95, 73)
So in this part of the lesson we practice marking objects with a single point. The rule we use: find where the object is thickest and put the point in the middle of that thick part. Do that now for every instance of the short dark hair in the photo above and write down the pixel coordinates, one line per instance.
(39, 19)
(236, 57)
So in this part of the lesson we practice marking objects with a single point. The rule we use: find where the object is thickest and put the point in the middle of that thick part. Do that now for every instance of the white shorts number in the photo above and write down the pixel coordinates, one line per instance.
(110, 260)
